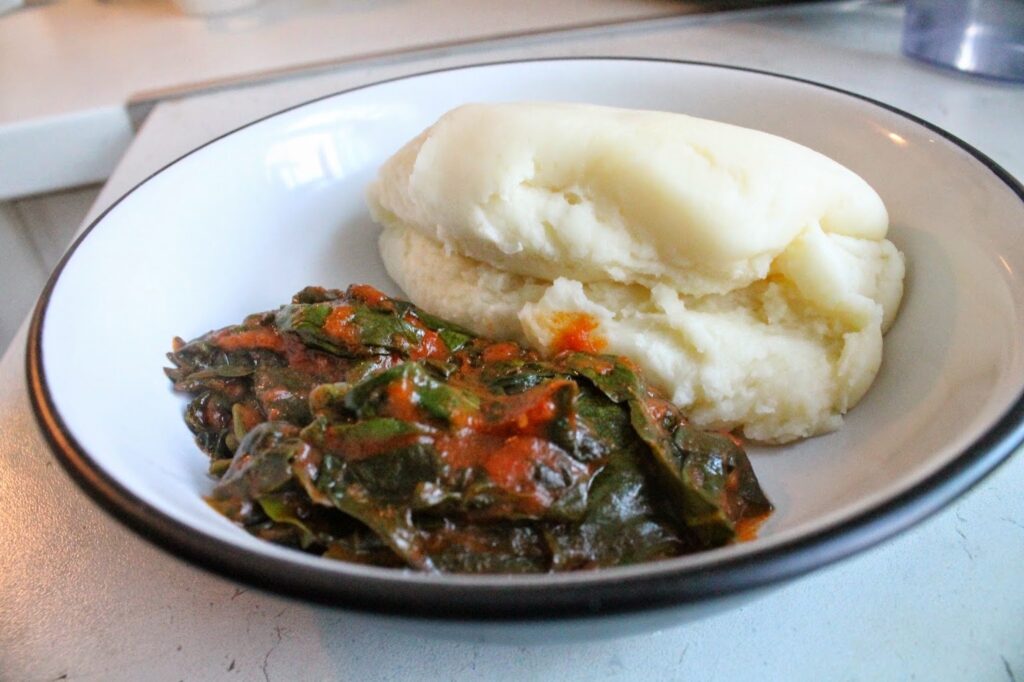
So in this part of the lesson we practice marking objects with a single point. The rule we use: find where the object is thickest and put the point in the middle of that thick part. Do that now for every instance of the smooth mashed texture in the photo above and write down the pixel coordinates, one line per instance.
(748, 276)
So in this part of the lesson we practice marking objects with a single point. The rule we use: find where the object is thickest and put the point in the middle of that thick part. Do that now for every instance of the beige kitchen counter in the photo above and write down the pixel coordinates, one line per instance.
(68, 69)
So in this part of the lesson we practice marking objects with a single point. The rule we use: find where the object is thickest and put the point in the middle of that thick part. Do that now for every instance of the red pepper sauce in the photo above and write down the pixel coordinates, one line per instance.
(338, 325)
(576, 333)
(402, 401)
(748, 527)
(262, 338)
(370, 295)
(431, 345)
(506, 440)
(500, 352)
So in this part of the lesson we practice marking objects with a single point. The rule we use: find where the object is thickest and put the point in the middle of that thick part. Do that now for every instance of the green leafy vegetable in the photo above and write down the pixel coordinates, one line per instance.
(359, 427)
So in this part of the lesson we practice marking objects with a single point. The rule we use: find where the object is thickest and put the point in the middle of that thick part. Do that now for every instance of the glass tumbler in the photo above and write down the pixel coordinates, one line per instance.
(984, 37)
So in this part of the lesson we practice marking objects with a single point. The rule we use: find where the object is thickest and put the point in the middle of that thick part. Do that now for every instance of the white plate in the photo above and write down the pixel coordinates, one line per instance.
(240, 224)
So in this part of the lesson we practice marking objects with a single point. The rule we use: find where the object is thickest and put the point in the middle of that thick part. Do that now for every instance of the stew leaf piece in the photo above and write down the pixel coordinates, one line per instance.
(622, 525)
(360, 427)
(706, 478)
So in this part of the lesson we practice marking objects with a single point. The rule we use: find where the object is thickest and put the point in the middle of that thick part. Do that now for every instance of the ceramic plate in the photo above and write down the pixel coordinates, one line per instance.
(241, 223)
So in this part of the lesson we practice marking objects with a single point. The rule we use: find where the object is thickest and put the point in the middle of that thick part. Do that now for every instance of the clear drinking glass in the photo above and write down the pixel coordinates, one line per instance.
(984, 37)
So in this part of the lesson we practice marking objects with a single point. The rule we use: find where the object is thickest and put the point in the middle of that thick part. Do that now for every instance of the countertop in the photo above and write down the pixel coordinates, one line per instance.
(84, 598)
(69, 69)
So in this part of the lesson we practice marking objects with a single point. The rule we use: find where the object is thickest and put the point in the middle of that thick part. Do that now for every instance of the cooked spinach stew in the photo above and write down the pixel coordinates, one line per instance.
(359, 427)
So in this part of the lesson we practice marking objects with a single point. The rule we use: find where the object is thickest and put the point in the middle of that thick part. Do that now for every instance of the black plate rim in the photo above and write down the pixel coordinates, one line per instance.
(512, 601)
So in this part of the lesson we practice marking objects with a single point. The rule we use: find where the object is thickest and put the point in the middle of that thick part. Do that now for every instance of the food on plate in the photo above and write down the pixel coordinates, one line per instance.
(362, 428)
(747, 275)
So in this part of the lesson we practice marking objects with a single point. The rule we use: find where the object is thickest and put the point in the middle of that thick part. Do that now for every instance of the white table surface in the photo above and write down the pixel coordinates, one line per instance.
(69, 68)
(85, 599)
